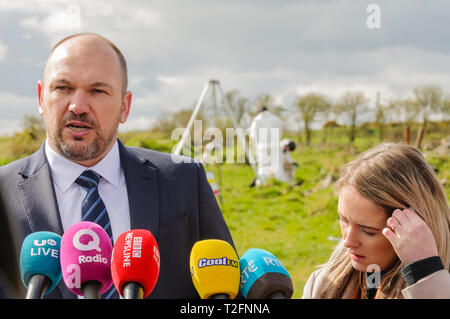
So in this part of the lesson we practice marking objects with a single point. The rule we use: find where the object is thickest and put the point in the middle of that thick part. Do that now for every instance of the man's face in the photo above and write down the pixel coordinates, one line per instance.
(81, 99)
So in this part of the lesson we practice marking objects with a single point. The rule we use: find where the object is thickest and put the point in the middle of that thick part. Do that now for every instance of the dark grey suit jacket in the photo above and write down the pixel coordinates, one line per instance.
(173, 201)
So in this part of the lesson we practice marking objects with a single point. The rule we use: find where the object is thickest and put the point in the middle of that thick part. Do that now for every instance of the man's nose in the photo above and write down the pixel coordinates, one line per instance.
(79, 103)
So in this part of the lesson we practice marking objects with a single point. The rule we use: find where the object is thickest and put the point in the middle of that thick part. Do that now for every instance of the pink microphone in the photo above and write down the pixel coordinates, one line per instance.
(86, 252)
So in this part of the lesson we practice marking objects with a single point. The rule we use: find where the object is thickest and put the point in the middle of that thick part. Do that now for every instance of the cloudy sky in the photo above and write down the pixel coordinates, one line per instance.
(283, 48)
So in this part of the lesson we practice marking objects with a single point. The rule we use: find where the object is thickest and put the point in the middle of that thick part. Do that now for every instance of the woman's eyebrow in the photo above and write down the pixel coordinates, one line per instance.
(363, 226)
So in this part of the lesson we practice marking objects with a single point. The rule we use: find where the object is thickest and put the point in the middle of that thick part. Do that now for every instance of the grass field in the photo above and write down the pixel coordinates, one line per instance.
(300, 229)
(281, 220)
(298, 224)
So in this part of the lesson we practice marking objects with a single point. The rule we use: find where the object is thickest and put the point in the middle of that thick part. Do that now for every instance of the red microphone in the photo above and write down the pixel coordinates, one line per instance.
(135, 264)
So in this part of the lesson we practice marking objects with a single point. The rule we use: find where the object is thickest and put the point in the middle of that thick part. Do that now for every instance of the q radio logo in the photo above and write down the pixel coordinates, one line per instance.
(93, 244)
(85, 240)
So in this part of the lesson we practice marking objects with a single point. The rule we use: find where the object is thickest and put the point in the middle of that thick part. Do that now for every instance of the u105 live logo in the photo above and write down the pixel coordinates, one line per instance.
(39, 248)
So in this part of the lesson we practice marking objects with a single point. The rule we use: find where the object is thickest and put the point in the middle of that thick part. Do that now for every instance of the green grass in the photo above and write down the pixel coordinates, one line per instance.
(298, 224)
(279, 218)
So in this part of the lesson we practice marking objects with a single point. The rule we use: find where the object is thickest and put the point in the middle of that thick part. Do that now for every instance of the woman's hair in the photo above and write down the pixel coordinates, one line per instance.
(393, 176)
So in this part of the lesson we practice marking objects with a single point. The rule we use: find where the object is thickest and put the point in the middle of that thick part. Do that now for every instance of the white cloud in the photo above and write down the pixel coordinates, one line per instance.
(137, 123)
(3, 51)
(59, 18)
(283, 48)
(14, 108)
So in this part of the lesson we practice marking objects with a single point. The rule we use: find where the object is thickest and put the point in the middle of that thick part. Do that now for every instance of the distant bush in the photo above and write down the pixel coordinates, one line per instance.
(25, 142)
(161, 146)
(330, 124)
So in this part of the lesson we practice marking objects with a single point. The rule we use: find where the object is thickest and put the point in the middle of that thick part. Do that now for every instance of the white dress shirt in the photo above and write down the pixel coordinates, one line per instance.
(112, 189)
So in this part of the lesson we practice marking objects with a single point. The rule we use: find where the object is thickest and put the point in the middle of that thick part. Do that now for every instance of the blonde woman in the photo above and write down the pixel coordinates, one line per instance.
(395, 224)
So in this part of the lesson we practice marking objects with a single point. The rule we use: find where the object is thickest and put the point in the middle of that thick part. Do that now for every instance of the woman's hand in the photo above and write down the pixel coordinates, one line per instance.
(410, 236)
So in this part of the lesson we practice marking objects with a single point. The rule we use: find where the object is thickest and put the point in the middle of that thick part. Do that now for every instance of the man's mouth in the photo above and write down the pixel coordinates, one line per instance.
(79, 129)
(79, 126)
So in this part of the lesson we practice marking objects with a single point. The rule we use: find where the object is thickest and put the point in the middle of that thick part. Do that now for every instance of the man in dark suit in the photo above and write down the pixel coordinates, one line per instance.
(83, 97)
(10, 284)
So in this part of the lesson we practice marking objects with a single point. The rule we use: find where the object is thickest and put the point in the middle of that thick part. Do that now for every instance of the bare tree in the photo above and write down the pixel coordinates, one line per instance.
(268, 101)
(429, 100)
(169, 121)
(350, 105)
(407, 110)
(310, 105)
(380, 117)
(446, 108)
(240, 106)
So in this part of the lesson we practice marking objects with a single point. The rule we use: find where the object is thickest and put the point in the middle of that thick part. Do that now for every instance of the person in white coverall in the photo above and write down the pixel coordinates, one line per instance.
(265, 132)
(287, 167)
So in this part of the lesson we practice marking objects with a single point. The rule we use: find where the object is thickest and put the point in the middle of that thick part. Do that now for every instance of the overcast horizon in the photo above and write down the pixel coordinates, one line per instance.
(282, 48)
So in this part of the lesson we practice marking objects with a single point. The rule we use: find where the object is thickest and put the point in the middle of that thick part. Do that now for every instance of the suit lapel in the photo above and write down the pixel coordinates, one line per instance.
(38, 195)
(143, 191)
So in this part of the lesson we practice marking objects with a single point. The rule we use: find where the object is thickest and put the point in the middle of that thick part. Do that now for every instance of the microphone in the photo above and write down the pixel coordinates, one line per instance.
(215, 269)
(263, 276)
(135, 264)
(40, 269)
(86, 259)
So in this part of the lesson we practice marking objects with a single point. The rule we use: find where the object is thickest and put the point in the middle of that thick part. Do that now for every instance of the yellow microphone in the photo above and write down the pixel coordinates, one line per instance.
(215, 269)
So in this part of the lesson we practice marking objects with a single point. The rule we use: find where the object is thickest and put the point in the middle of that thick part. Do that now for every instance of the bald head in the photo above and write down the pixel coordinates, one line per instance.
(83, 97)
(89, 44)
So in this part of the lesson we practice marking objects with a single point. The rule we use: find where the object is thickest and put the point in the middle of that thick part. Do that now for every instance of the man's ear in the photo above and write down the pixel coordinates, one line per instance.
(40, 91)
(126, 105)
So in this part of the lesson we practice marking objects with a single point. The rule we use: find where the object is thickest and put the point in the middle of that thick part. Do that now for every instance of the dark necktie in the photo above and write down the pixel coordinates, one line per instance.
(94, 210)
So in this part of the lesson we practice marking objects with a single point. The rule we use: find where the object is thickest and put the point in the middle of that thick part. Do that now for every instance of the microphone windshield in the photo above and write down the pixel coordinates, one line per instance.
(135, 259)
(40, 255)
(86, 256)
(262, 274)
(214, 268)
